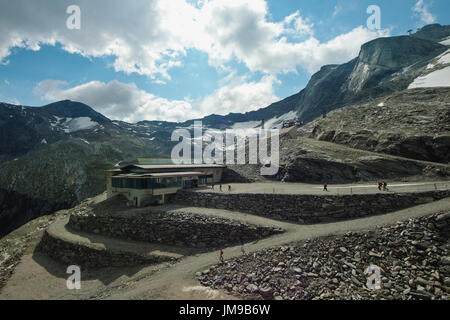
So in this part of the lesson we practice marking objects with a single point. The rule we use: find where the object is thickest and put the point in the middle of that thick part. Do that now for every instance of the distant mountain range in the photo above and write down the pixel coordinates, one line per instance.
(55, 155)
(384, 66)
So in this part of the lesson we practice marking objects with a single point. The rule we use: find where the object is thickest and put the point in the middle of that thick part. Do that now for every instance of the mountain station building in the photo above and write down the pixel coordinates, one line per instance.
(147, 184)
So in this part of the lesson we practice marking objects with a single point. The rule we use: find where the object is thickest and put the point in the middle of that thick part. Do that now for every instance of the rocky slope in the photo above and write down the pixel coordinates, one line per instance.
(23, 129)
(27, 129)
(434, 32)
(384, 66)
(312, 161)
(413, 258)
(412, 123)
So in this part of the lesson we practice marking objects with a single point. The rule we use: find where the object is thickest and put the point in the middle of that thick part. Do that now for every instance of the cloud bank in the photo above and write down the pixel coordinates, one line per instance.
(420, 9)
(149, 37)
(125, 101)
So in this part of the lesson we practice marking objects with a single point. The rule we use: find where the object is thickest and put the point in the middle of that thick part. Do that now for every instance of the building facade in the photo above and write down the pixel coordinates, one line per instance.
(145, 185)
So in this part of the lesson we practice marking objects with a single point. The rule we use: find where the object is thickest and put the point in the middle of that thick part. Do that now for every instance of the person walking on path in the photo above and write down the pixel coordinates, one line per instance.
(229, 188)
(221, 256)
(380, 185)
(325, 187)
(221, 187)
(385, 188)
(242, 247)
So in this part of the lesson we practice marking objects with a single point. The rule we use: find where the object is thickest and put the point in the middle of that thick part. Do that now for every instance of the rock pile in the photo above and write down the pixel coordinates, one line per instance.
(11, 252)
(171, 227)
(413, 259)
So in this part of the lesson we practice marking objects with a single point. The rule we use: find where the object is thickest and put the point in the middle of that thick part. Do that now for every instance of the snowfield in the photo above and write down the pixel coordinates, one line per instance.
(78, 124)
(246, 125)
(446, 42)
(444, 58)
(277, 123)
(439, 78)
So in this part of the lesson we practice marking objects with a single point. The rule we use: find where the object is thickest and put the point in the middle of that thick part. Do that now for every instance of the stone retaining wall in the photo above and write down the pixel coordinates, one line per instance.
(308, 209)
(72, 253)
(180, 229)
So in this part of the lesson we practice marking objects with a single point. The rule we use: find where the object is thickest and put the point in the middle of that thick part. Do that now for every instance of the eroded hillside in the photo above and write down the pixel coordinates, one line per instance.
(412, 123)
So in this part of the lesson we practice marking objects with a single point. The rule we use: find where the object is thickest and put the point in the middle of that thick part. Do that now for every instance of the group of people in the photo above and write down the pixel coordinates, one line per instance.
(383, 186)
(220, 187)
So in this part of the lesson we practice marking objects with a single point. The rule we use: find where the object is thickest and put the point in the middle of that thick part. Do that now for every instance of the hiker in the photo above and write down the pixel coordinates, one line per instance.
(221, 256)
(229, 188)
(221, 187)
(380, 185)
(325, 186)
(242, 247)
(385, 186)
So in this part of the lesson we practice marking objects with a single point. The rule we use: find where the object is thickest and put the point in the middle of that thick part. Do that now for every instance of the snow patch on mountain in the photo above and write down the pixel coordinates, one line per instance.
(277, 123)
(444, 58)
(78, 124)
(439, 78)
(446, 42)
(246, 125)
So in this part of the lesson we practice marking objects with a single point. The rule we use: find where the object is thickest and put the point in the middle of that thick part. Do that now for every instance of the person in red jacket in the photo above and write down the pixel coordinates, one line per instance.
(325, 186)
(221, 256)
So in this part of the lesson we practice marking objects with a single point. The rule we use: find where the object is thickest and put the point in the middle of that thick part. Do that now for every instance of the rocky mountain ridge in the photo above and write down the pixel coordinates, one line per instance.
(413, 124)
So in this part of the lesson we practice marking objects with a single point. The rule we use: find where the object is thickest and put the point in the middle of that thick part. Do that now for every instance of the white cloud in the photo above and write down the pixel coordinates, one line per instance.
(240, 96)
(157, 38)
(125, 101)
(239, 28)
(160, 33)
(420, 9)
(117, 100)
(142, 35)
(13, 101)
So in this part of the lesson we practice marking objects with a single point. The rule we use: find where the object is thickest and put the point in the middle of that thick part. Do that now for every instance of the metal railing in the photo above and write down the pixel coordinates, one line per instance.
(291, 188)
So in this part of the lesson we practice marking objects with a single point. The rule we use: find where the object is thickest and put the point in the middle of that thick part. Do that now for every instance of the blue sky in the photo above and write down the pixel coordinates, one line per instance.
(150, 60)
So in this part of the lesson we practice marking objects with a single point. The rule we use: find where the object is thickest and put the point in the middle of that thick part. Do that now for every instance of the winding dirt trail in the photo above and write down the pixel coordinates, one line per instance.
(179, 282)
(39, 277)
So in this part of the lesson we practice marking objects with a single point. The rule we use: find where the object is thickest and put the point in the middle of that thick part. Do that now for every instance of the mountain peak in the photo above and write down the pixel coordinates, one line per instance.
(72, 109)
(433, 32)
(400, 51)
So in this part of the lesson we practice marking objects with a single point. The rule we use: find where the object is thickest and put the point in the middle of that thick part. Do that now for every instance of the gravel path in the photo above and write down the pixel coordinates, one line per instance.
(60, 230)
(180, 281)
(314, 189)
(39, 277)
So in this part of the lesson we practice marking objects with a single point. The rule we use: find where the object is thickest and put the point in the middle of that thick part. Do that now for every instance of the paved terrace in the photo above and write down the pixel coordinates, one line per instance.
(314, 189)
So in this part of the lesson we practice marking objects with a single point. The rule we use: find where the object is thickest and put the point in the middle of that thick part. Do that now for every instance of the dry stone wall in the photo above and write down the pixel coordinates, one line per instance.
(180, 229)
(72, 253)
(308, 209)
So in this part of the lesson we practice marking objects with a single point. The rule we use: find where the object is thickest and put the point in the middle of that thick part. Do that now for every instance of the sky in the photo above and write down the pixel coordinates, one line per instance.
(176, 60)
